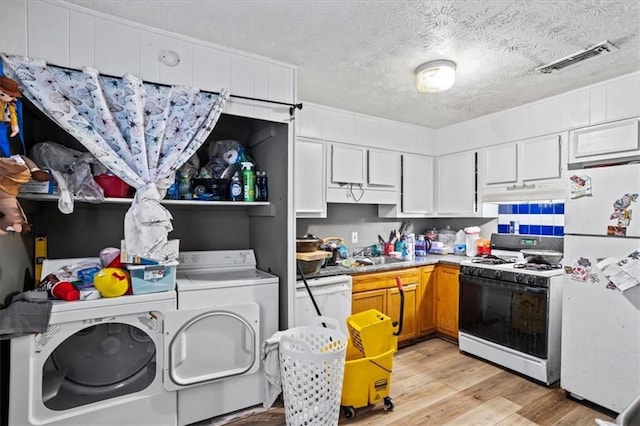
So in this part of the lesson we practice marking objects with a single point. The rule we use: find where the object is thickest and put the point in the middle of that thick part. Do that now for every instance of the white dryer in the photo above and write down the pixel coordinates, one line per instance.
(99, 362)
(226, 309)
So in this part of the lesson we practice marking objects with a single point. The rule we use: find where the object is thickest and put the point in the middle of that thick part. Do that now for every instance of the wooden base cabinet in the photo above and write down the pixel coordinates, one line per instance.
(379, 291)
(446, 300)
(426, 300)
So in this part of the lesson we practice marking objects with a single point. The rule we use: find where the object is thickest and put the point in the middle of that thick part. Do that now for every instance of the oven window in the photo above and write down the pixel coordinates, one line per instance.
(508, 314)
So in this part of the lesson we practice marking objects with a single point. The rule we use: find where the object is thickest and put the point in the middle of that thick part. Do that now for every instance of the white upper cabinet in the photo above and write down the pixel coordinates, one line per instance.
(456, 184)
(309, 178)
(358, 174)
(417, 184)
(524, 169)
(416, 189)
(540, 158)
(613, 141)
(500, 164)
(348, 164)
(382, 168)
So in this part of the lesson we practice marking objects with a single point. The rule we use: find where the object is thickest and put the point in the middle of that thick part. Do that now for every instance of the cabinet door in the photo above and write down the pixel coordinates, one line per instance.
(500, 164)
(609, 141)
(456, 183)
(347, 164)
(409, 317)
(372, 299)
(447, 290)
(540, 158)
(309, 179)
(382, 168)
(426, 301)
(417, 184)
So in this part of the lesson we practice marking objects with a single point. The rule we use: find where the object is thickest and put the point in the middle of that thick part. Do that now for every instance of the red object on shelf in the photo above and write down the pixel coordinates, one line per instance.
(113, 186)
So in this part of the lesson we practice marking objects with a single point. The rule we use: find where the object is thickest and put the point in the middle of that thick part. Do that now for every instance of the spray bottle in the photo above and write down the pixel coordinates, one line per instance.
(248, 182)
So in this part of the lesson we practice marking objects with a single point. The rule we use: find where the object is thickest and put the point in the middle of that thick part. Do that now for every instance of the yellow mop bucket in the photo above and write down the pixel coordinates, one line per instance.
(369, 359)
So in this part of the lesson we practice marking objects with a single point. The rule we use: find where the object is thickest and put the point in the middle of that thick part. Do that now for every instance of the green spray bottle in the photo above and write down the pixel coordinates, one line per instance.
(248, 182)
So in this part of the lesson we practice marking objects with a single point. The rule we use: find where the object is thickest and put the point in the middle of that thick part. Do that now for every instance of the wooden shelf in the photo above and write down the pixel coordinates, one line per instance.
(54, 197)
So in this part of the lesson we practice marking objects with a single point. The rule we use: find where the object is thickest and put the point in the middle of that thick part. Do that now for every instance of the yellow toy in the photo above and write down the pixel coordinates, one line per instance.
(112, 282)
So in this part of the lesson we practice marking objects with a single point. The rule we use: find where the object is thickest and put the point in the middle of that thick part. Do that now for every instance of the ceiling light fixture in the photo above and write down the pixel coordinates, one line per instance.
(436, 76)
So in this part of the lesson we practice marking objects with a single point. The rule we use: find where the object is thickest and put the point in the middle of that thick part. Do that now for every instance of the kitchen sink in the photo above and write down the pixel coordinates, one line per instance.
(386, 260)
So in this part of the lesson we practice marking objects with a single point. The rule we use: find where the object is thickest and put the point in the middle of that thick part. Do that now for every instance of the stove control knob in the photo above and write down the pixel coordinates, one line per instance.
(519, 278)
(497, 275)
(531, 279)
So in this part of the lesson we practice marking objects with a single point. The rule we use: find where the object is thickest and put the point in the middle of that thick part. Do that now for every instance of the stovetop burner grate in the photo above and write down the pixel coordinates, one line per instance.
(538, 266)
(490, 259)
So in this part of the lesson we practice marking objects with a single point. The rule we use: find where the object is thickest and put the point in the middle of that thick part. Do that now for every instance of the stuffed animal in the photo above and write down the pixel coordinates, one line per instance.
(9, 114)
(14, 171)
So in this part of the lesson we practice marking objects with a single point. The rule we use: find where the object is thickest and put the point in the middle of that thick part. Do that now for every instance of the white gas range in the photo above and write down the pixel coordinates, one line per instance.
(510, 310)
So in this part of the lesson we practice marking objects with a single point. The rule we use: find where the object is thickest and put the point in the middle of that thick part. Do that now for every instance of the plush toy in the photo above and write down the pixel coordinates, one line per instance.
(15, 171)
(9, 122)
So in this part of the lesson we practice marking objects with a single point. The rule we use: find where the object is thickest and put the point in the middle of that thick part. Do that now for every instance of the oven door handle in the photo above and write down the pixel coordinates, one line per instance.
(535, 289)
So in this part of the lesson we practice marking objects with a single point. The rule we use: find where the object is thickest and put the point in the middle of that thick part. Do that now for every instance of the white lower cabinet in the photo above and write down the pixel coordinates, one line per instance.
(310, 178)
(456, 184)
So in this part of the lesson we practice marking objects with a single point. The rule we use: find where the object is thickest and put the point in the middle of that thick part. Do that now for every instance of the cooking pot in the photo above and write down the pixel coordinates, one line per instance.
(541, 256)
(307, 243)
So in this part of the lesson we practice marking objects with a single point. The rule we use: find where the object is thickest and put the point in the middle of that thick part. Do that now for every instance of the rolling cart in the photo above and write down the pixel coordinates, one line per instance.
(369, 359)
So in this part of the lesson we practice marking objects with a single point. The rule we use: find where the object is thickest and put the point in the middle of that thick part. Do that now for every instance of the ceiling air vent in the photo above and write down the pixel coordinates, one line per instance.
(574, 58)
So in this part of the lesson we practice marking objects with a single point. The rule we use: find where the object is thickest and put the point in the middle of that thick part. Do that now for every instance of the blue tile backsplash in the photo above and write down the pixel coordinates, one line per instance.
(533, 218)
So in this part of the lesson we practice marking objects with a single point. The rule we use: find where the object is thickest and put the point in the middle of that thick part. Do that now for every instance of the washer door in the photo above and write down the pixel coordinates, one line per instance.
(211, 344)
(97, 363)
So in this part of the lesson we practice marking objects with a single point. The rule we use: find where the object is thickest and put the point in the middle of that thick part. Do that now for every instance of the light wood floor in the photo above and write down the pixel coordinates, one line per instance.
(434, 384)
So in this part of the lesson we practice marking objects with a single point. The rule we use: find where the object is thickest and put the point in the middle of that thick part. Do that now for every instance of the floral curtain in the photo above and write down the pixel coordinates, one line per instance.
(142, 132)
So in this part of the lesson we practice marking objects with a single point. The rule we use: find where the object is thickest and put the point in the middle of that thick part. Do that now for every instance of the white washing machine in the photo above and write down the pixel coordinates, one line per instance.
(226, 309)
(100, 362)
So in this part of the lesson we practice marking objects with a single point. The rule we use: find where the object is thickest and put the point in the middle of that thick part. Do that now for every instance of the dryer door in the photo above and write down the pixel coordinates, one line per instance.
(210, 344)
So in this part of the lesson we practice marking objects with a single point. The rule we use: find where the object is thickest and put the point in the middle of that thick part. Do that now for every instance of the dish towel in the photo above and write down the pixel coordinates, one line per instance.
(29, 312)
(271, 360)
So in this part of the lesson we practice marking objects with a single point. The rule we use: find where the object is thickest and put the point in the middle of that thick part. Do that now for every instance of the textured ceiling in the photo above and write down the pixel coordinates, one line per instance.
(361, 55)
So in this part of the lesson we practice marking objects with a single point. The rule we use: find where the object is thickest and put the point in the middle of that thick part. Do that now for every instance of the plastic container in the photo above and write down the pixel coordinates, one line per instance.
(210, 189)
(113, 186)
(472, 233)
(248, 182)
(312, 362)
(448, 237)
(152, 278)
(235, 188)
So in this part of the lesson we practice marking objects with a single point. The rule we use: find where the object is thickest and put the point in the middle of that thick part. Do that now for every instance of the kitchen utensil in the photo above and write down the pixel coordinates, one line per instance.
(541, 256)
(307, 243)
(403, 228)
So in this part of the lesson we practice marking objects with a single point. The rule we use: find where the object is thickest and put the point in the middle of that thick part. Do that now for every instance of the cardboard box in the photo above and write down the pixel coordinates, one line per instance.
(35, 187)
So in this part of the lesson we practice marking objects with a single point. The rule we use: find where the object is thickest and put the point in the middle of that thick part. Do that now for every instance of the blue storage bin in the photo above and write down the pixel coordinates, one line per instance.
(153, 278)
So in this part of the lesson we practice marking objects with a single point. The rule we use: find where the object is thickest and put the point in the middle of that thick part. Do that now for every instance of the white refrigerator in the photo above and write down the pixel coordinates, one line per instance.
(600, 352)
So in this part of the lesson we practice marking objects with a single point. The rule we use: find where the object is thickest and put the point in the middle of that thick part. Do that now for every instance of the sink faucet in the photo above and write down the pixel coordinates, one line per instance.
(364, 252)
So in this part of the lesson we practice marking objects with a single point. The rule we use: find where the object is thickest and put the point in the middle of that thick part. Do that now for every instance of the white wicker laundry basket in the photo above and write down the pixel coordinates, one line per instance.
(312, 367)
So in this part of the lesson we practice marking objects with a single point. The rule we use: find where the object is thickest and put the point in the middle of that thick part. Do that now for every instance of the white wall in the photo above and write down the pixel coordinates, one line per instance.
(610, 100)
(70, 36)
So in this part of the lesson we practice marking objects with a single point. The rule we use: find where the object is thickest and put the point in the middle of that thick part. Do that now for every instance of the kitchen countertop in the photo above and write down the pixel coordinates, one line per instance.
(432, 259)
